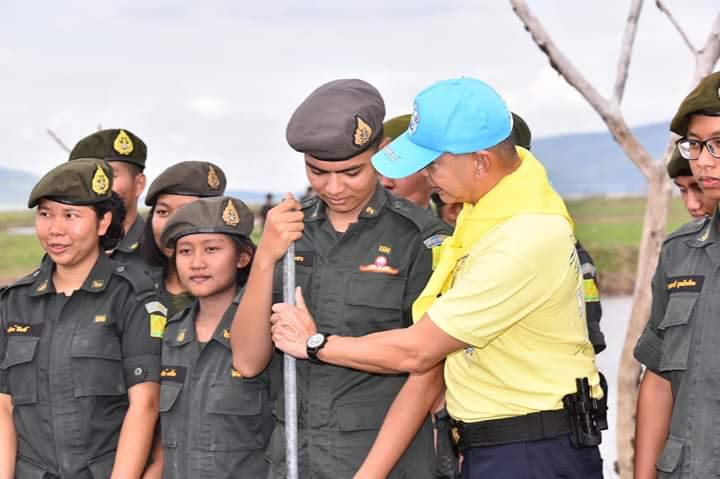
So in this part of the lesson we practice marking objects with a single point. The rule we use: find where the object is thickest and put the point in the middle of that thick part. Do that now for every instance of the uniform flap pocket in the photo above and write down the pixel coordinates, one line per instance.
(96, 345)
(362, 416)
(169, 392)
(671, 455)
(101, 467)
(239, 399)
(20, 350)
(375, 290)
(678, 311)
(27, 469)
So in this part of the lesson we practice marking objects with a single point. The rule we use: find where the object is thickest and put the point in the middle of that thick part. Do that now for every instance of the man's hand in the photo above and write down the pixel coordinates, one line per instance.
(284, 224)
(292, 326)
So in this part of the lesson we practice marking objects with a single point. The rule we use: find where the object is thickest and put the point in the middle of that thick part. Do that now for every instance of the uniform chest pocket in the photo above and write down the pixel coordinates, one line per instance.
(677, 330)
(21, 368)
(238, 415)
(169, 418)
(97, 364)
(374, 302)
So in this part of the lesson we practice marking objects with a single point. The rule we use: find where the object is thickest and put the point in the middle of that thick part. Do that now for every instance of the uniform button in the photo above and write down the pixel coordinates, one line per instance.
(120, 269)
(397, 204)
(138, 371)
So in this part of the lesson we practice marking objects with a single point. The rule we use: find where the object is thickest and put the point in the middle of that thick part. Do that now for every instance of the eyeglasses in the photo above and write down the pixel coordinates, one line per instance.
(690, 149)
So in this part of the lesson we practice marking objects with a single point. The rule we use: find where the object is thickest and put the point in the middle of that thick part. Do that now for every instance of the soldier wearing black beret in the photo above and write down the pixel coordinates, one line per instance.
(80, 340)
(677, 421)
(362, 256)
(126, 154)
(178, 185)
(692, 195)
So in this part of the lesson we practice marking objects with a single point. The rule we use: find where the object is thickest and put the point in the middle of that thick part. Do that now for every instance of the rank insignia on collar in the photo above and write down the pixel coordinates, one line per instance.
(181, 335)
(705, 234)
(230, 215)
(43, 286)
(379, 266)
(134, 246)
(123, 144)
(370, 210)
(213, 181)
(235, 373)
(97, 283)
(226, 334)
(100, 182)
(363, 132)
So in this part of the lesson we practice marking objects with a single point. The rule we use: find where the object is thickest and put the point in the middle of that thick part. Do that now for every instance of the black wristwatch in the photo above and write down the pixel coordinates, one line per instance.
(314, 344)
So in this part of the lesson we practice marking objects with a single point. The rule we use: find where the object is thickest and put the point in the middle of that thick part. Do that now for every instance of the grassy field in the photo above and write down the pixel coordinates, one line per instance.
(609, 228)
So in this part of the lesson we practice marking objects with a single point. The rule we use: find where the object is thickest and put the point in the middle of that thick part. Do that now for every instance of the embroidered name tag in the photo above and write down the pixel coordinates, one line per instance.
(688, 284)
(304, 258)
(174, 374)
(17, 329)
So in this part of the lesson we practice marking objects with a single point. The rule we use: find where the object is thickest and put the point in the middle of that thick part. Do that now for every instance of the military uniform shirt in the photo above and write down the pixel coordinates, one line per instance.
(175, 303)
(362, 281)
(127, 251)
(68, 362)
(215, 423)
(680, 343)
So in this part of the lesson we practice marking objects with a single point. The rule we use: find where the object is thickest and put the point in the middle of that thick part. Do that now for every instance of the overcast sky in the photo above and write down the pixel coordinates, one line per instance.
(218, 80)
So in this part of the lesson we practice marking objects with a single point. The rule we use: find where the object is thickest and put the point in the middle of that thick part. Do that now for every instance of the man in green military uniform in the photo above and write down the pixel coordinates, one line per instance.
(691, 193)
(126, 153)
(361, 258)
(678, 426)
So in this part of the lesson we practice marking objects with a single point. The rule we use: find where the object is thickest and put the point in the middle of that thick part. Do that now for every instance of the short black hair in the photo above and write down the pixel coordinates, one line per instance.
(115, 232)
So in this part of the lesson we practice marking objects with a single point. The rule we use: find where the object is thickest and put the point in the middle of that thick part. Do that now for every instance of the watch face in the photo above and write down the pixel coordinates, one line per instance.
(315, 340)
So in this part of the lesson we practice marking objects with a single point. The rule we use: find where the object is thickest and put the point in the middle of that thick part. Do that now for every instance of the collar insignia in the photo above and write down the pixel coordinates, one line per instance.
(181, 335)
(235, 373)
(230, 215)
(97, 283)
(363, 132)
(704, 236)
(100, 182)
(43, 286)
(213, 181)
(134, 246)
(123, 144)
(226, 334)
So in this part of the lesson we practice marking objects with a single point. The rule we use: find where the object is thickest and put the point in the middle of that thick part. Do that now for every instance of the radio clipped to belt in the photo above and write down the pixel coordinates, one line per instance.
(588, 416)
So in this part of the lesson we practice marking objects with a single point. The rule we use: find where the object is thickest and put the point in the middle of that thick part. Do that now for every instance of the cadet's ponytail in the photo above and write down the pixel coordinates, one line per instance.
(115, 231)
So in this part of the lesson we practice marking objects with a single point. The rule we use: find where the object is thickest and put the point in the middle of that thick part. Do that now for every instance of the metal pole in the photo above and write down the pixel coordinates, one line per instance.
(291, 447)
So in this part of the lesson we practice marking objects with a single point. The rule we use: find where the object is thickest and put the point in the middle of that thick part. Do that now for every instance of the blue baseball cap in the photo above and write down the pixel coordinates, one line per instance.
(457, 116)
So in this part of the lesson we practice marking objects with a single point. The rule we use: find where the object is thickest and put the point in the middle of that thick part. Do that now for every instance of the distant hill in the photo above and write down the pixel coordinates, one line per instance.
(588, 164)
(583, 164)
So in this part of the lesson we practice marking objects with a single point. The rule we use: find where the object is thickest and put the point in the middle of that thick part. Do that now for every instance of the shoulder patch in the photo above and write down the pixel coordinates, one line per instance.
(434, 240)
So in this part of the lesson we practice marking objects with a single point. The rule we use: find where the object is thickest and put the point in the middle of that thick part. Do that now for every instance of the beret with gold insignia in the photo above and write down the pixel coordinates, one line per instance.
(223, 214)
(678, 166)
(705, 99)
(521, 134)
(338, 121)
(112, 145)
(81, 182)
(188, 178)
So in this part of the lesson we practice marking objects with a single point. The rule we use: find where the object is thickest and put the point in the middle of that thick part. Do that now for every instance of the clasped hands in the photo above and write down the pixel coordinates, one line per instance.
(292, 325)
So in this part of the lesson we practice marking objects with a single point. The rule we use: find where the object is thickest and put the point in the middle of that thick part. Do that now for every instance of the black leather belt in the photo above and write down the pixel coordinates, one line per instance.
(530, 427)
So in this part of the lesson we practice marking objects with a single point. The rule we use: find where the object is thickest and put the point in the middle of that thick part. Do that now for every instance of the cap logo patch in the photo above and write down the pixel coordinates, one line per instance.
(100, 182)
(212, 179)
(414, 120)
(230, 215)
(363, 132)
(123, 144)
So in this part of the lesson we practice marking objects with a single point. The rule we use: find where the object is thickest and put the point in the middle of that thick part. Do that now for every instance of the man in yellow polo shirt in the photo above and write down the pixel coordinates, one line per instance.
(504, 308)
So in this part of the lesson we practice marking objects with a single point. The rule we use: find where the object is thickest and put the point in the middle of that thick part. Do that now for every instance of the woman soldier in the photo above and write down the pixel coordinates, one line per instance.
(215, 423)
(80, 341)
(178, 185)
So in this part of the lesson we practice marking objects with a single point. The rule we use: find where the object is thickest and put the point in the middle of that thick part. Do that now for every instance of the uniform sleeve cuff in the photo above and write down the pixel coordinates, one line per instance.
(649, 350)
(140, 369)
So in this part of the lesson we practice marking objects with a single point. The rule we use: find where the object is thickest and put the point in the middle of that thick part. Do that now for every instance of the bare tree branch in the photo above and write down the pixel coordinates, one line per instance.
(663, 8)
(57, 140)
(609, 111)
(709, 54)
(626, 52)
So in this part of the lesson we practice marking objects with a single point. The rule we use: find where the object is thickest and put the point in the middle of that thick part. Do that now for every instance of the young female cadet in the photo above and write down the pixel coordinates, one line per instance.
(80, 341)
(178, 185)
(215, 423)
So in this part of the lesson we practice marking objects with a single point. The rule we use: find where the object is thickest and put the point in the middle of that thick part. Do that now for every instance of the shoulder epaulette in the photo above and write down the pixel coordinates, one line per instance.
(426, 221)
(138, 279)
(690, 228)
(25, 280)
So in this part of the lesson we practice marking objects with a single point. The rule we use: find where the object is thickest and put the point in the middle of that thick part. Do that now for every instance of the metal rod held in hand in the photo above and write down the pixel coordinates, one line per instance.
(291, 448)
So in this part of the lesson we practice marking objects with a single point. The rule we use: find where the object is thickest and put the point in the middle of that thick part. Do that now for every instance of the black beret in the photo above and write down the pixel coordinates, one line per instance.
(209, 215)
(678, 166)
(705, 98)
(112, 145)
(189, 178)
(81, 182)
(338, 121)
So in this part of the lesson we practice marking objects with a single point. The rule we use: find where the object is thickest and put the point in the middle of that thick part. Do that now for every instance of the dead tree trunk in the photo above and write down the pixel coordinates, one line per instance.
(659, 190)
